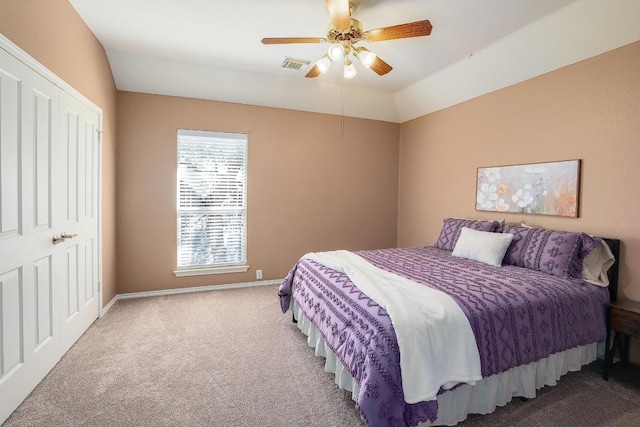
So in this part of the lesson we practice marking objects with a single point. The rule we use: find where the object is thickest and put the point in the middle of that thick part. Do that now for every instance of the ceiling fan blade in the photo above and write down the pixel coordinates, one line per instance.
(380, 67)
(376, 64)
(313, 72)
(402, 31)
(339, 12)
(320, 67)
(287, 40)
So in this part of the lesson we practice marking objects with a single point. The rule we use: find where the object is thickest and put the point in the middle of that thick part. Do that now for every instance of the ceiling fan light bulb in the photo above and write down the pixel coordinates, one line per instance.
(349, 70)
(366, 57)
(336, 51)
(323, 64)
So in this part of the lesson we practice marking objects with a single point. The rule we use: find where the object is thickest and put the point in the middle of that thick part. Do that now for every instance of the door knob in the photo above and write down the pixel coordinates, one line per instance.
(63, 236)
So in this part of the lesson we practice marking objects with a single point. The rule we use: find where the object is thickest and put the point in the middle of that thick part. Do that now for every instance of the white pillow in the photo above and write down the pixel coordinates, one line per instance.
(596, 264)
(482, 246)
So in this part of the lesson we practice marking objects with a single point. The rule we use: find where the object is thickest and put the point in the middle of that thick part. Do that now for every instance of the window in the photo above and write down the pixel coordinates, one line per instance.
(212, 203)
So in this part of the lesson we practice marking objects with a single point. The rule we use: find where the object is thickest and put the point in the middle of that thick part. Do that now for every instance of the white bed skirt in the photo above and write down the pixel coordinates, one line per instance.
(482, 398)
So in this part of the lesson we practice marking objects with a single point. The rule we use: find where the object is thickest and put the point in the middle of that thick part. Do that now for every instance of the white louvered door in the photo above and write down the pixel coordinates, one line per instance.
(48, 184)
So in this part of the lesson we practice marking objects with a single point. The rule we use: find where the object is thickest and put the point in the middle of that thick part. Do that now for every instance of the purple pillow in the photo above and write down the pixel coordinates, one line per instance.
(559, 253)
(453, 226)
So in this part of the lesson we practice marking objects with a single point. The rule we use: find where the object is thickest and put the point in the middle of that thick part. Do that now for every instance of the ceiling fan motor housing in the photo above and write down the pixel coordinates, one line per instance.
(346, 38)
(353, 34)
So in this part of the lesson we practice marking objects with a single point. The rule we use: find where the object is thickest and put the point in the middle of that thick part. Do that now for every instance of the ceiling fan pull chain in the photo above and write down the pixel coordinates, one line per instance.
(342, 101)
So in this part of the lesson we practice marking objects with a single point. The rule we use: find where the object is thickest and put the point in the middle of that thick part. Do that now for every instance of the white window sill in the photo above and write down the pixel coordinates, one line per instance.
(185, 272)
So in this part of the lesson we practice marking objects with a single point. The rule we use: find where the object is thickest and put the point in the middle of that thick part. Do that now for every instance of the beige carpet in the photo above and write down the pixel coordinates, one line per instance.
(231, 358)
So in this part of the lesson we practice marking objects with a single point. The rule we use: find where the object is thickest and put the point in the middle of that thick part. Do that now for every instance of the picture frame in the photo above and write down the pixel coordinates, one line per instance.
(548, 188)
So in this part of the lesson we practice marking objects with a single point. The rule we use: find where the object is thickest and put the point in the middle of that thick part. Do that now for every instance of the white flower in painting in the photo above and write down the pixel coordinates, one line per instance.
(487, 196)
(535, 171)
(484, 203)
(502, 206)
(492, 174)
(528, 186)
(522, 199)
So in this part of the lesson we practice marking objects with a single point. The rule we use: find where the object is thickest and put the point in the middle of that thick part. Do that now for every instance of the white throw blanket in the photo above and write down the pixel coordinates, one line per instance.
(437, 345)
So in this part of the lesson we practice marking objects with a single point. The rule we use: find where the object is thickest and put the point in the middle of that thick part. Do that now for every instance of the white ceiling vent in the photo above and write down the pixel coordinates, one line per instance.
(295, 63)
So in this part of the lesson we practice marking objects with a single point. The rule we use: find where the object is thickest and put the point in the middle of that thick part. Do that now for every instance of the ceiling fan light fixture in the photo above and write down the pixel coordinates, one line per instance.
(323, 64)
(345, 32)
(366, 57)
(336, 51)
(349, 70)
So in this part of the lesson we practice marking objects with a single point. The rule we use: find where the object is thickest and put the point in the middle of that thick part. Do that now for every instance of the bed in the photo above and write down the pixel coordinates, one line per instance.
(532, 317)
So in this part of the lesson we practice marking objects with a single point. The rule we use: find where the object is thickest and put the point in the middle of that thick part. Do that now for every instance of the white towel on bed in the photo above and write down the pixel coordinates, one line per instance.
(437, 345)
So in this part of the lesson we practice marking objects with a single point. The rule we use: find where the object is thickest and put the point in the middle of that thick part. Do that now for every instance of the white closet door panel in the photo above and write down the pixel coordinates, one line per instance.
(71, 134)
(12, 328)
(71, 280)
(43, 287)
(90, 172)
(29, 344)
(88, 270)
(44, 115)
(10, 139)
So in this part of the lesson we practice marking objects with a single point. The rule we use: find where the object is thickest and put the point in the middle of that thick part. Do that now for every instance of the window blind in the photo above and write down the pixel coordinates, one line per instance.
(212, 199)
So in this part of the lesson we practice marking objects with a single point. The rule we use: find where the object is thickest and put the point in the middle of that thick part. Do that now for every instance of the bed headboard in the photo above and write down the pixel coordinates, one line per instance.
(614, 245)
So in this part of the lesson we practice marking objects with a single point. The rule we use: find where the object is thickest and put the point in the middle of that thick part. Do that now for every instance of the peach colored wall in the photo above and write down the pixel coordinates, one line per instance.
(52, 32)
(589, 111)
(308, 188)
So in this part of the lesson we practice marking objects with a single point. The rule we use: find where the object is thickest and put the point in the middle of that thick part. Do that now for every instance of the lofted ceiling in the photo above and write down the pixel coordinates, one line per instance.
(212, 48)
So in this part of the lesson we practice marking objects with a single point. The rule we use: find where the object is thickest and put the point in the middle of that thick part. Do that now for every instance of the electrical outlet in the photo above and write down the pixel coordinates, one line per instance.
(258, 274)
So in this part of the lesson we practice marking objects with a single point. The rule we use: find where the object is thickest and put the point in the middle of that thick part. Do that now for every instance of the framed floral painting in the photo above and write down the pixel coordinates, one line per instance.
(538, 188)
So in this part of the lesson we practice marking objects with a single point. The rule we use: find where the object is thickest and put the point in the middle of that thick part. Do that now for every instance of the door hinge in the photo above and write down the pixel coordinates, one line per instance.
(99, 135)
(99, 287)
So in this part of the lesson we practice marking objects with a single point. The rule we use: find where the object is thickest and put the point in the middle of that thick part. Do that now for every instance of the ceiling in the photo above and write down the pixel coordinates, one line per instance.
(222, 41)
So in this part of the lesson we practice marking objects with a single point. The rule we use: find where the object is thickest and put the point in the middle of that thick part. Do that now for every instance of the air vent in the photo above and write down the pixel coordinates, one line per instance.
(295, 63)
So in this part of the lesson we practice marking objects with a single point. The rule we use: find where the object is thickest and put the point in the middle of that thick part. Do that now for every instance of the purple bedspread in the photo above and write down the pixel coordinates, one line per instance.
(518, 316)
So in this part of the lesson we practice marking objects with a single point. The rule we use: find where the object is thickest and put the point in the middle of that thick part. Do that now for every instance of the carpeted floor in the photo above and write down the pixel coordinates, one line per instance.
(231, 358)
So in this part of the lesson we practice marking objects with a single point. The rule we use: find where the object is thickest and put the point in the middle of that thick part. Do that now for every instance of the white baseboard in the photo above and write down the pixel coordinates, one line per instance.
(191, 289)
(108, 306)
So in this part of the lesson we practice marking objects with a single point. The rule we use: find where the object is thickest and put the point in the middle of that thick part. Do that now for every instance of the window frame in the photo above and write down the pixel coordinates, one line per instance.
(215, 268)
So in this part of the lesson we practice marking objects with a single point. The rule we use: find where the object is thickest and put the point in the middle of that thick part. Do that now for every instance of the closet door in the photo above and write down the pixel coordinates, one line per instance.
(77, 173)
(29, 346)
(48, 185)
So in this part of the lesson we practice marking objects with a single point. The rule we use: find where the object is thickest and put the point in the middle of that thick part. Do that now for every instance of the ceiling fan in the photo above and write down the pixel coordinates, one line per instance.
(345, 32)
